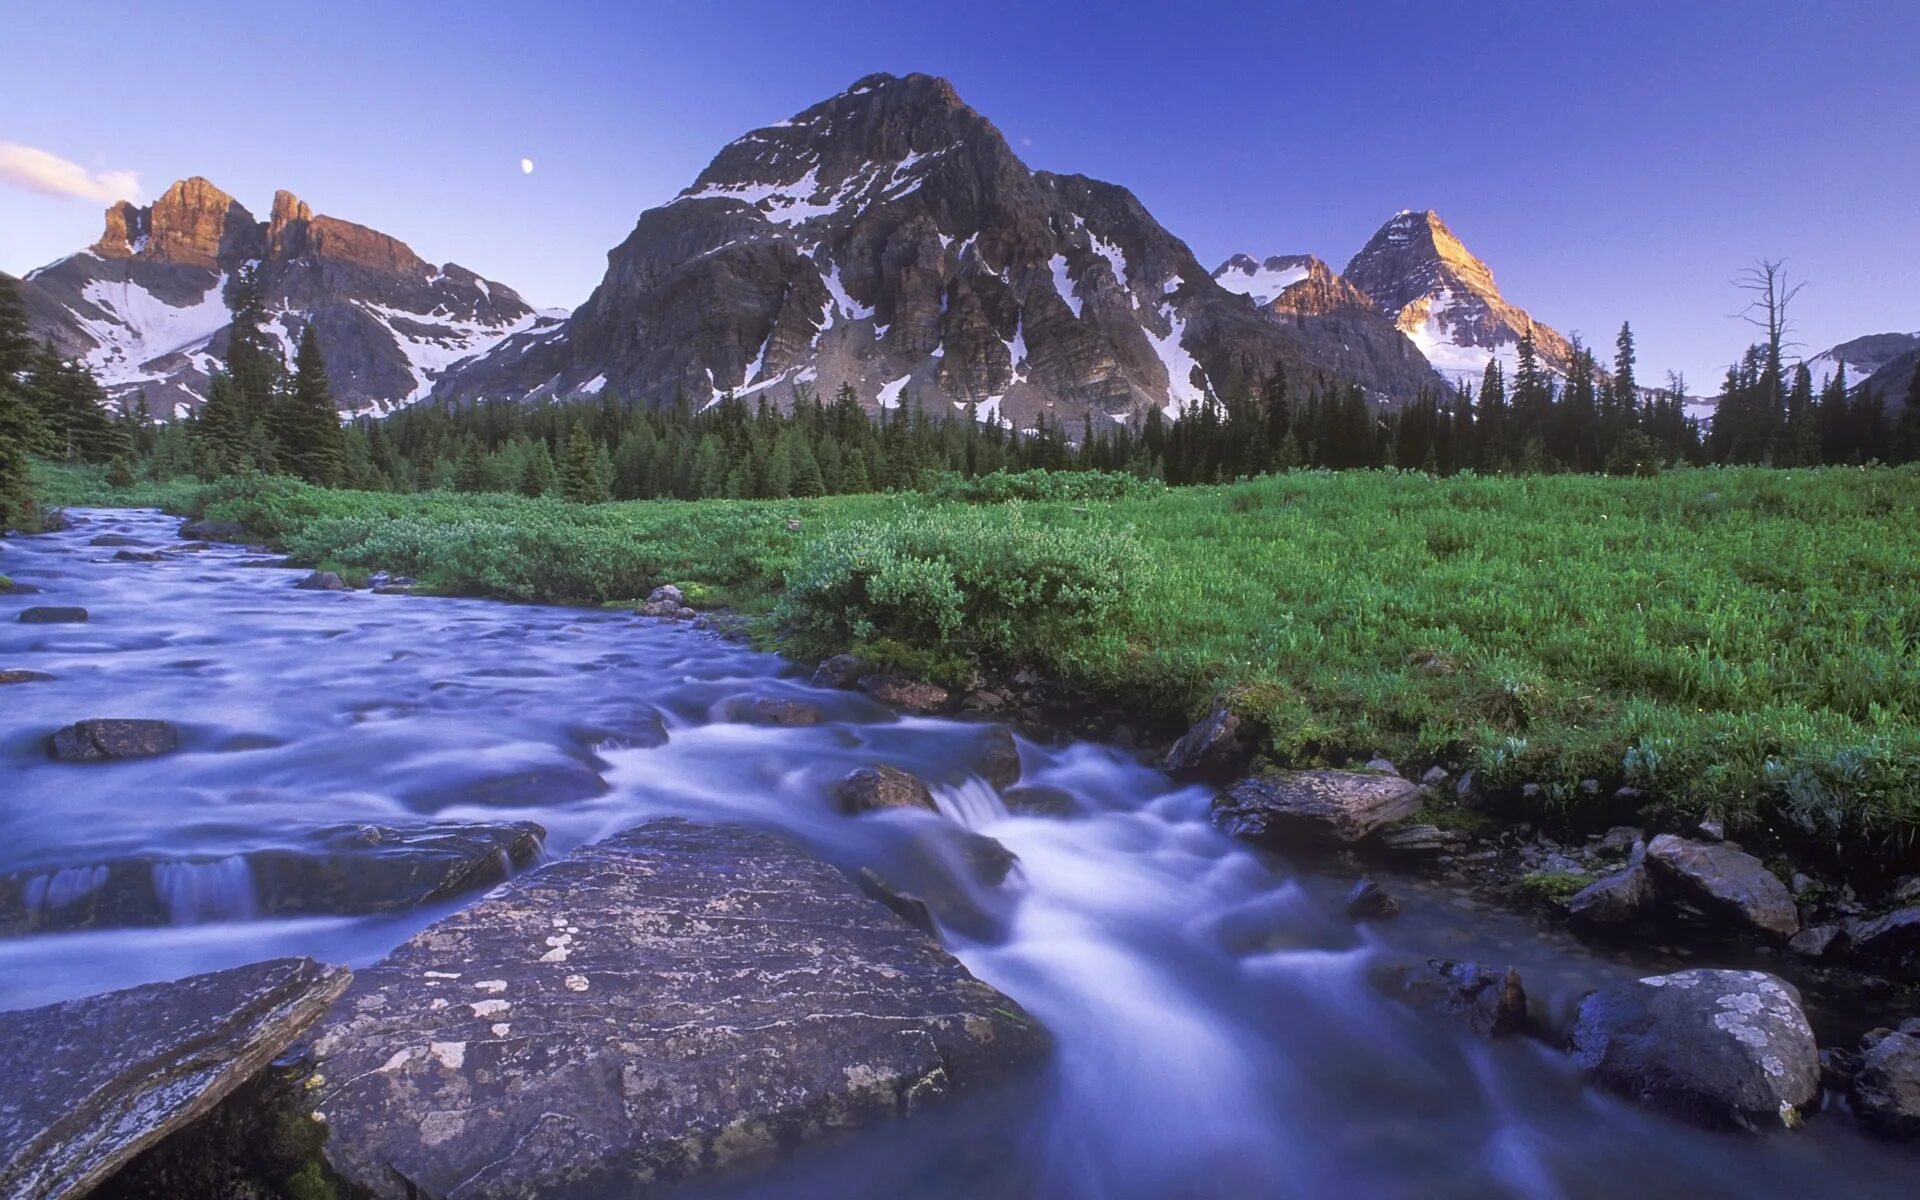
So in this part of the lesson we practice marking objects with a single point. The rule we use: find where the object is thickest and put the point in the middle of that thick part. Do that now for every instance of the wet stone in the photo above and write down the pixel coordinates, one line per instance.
(322, 581)
(113, 739)
(1488, 1001)
(1890, 942)
(1214, 743)
(676, 1000)
(20, 675)
(42, 614)
(1886, 1085)
(1727, 883)
(1368, 900)
(93, 1082)
(1038, 801)
(911, 694)
(870, 789)
(346, 870)
(1000, 759)
(204, 530)
(1284, 807)
(1717, 1048)
(766, 710)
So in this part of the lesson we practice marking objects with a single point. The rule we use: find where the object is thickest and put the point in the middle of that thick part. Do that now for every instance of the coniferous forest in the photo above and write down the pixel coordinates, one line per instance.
(261, 416)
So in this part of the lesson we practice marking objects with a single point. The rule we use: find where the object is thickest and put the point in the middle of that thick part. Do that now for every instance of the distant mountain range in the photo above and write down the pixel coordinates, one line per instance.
(886, 239)
(145, 305)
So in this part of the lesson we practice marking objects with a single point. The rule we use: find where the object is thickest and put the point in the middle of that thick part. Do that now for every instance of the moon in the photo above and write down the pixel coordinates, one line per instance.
(526, 166)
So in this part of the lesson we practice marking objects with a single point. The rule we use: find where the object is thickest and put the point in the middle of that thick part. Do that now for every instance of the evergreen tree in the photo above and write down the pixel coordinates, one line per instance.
(311, 444)
(537, 477)
(586, 476)
(470, 471)
(21, 432)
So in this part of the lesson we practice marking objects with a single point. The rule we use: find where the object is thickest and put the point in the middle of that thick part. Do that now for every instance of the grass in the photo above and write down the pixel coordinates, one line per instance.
(1744, 641)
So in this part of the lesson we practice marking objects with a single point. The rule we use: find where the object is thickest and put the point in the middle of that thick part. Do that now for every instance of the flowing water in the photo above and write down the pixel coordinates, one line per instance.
(1216, 1032)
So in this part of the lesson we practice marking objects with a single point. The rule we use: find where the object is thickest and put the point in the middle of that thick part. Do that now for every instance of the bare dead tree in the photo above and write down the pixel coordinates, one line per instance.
(1771, 293)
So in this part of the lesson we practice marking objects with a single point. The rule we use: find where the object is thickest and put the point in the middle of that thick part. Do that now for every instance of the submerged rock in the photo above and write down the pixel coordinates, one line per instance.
(204, 530)
(1718, 1048)
(115, 539)
(1213, 744)
(870, 789)
(766, 710)
(350, 870)
(1886, 1087)
(1000, 759)
(108, 739)
(1726, 881)
(1039, 801)
(675, 1000)
(1369, 900)
(20, 675)
(53, 614)
(1488, 1001)
(1281, 807)
(93, 1082)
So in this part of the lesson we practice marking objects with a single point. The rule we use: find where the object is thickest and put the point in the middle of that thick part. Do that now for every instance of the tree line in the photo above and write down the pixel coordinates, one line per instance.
(259, 415)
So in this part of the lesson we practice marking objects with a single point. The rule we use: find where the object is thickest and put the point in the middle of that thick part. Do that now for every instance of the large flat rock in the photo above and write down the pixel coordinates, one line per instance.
(1288, 808)
(672, 1000)
(90, 1083)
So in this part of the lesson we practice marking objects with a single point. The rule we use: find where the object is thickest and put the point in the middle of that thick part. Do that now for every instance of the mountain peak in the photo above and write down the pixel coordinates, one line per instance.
(192, 222)
(1440, 294)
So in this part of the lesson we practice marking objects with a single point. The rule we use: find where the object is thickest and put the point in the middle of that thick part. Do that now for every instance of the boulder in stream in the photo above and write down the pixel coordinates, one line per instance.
(1727, 882)
(1488, 1001)
(1717, 1048)
(53, 614)
(93, 1082)
(870, 789)
(204, 530)
(1000, 759)
(667, 602)
(1284, 807)
(110, 739)
(1886, 1088)
(675, 1000)
(766, 710)
(21, 675)
(347, 870)
(322, 581)
(1369, 901)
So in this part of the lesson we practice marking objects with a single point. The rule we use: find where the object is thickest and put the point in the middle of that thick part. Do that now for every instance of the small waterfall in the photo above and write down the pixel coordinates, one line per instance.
(195, 892)
(971, 804)
(44, 893)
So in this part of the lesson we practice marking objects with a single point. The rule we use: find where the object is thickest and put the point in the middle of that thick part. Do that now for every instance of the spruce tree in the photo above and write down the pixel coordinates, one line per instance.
(470, 471)
(586, 474)
(537, 476)
(312, 445)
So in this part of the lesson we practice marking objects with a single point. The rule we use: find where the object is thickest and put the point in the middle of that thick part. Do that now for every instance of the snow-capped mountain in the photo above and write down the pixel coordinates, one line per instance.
(888, 238)
(1422, 278)
(1306, 296)
(1862, 356)
(145, 306)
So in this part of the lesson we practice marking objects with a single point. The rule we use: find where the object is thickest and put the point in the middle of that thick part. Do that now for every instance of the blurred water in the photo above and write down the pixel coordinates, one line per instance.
(1216, 1033)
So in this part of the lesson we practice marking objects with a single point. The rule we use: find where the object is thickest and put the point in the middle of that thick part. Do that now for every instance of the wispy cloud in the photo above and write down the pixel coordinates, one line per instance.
(38, 171)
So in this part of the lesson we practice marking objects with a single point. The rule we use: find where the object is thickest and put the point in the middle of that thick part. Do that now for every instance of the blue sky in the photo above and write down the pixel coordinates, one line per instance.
(1609, 160)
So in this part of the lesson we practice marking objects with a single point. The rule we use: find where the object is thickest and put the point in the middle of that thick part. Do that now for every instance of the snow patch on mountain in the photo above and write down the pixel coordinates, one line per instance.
(1264, 281)
(139, 327)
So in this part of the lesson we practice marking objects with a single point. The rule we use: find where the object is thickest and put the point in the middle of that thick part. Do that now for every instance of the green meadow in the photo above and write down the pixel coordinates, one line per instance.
(1739, 641)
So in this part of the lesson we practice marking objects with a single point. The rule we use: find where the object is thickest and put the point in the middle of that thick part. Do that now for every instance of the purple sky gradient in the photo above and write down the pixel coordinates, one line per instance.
(1610, 161)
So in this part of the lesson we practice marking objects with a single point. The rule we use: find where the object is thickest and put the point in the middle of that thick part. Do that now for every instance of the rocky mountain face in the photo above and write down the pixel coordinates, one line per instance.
(1426, 282)
(1862, 356)
(145, 305)
(1893, 382)
(1304, 294)
(888, 238)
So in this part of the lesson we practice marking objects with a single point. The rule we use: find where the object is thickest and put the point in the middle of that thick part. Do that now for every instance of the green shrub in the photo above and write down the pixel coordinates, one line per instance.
(989, 584)
(1002, 486)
